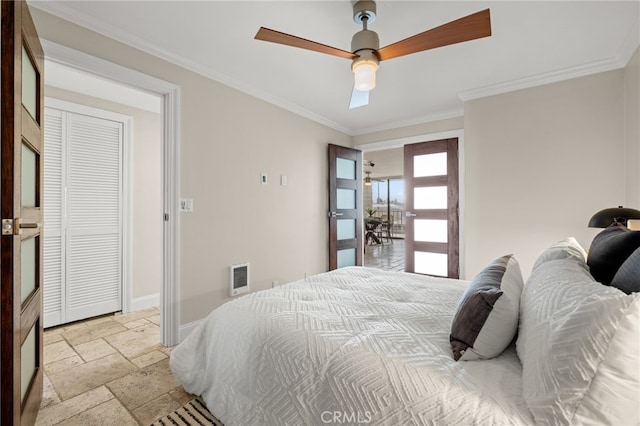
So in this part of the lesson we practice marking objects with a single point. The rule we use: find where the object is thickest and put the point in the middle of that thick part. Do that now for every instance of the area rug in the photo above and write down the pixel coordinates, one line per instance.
(192, 413)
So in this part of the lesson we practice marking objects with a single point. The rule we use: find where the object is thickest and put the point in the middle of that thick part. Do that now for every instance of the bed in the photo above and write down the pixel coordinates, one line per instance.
(364, 346)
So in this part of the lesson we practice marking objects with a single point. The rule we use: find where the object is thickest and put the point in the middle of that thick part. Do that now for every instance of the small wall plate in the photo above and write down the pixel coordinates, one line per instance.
(238, 279)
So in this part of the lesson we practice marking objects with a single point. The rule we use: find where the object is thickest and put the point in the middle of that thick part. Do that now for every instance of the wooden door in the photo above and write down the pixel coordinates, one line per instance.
(21, 359)
(432, 208)
(345, 207)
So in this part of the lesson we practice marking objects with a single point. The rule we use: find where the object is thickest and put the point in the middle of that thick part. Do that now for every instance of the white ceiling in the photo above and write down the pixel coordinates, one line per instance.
(532, 43)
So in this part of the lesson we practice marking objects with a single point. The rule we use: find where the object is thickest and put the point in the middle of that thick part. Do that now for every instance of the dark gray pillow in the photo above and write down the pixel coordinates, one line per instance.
(609, 250)
(627, 278)
(486, 319)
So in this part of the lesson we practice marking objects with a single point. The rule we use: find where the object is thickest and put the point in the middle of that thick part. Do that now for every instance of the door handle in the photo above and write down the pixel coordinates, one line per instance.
(409, 214)
(13, 226)
(334, 214)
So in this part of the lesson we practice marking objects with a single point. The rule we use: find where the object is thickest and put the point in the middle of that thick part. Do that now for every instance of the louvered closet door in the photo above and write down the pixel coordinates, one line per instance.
(83, 199)
(54, 259)
(94, 246)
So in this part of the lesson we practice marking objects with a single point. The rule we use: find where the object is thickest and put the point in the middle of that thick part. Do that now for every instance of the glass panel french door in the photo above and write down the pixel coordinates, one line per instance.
(22, 87)
(432, 223)
(345, 207)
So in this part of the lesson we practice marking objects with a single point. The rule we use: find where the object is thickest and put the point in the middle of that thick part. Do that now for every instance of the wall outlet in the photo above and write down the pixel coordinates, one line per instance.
(275, 283)
(186, 205)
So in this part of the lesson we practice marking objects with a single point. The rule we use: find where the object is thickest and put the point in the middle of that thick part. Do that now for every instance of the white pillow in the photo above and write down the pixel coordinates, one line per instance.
(568, 248)
(614, 395)
(567, 322)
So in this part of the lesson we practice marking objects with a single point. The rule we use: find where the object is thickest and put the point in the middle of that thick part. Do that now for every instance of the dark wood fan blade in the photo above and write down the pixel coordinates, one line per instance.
(470, 27)
(290, 40)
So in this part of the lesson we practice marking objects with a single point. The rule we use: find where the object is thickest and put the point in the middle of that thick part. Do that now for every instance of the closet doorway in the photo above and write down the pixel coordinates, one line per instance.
(105, 224)
(169, 95)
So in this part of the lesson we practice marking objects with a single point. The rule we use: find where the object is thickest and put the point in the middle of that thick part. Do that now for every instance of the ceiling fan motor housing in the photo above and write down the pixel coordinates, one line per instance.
(365, 40)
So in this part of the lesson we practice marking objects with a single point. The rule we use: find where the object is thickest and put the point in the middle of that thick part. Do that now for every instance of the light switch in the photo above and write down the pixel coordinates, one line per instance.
(283, 180)
(264, 179)
(186, 205)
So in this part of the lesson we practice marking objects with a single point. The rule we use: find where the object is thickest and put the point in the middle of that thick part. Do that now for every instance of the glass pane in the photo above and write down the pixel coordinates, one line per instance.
(430, 165)
(379, 198)
(346, 229)
(430, 230)
(346, 199)
(28, 268)
(346, 257)
(27, 361)
(431, 263)
(430, 197)
(29, 178)
(29, 84)
(345, 169)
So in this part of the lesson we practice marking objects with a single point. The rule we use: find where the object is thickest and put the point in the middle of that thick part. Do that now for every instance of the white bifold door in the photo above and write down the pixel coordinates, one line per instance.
(82, 216)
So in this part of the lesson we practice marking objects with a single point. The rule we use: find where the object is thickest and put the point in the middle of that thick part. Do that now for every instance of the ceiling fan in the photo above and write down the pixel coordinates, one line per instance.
(365, 45)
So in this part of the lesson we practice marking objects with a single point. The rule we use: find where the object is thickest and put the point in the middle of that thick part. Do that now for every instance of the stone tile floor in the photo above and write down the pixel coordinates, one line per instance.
(109, 370)
(388, 256)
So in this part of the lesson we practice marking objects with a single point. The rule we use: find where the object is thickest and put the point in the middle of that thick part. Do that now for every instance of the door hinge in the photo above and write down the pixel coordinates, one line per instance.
(7, 226)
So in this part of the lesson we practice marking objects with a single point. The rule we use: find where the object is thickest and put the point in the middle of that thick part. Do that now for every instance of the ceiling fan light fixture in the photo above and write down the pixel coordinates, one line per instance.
(367, 179)
(364, 69)
(365, 75)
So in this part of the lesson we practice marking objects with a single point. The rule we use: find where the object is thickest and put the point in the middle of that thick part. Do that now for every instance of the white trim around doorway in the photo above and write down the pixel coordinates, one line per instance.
(170, 94)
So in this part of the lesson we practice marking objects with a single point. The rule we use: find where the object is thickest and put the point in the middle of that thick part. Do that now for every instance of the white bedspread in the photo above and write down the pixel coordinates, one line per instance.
(352, 346)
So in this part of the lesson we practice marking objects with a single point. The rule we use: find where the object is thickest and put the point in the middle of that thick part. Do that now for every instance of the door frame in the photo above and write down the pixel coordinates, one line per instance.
(428, 137)
(170, 117)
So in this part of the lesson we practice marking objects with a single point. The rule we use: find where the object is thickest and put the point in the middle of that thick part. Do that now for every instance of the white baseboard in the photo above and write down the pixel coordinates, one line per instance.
(145, 302)
(186, 329)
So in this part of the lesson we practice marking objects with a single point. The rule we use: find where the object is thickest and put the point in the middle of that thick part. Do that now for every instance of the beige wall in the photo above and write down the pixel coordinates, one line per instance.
(228, 138)
(632, 129)
(146, 189)
(538, 163)
(438, 126)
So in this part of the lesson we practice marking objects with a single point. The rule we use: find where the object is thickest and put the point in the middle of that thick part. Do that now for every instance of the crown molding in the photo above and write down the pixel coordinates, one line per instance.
(620, 60)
